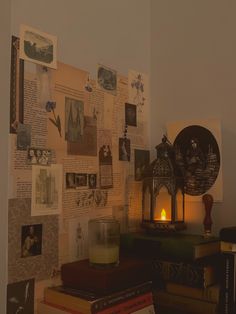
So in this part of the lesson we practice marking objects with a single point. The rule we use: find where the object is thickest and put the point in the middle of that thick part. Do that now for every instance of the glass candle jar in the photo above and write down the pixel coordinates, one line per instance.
(104, 242)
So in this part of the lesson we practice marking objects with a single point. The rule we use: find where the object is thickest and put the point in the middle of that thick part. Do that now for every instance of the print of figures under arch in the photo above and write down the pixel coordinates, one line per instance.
(198, 155)
(74, 112)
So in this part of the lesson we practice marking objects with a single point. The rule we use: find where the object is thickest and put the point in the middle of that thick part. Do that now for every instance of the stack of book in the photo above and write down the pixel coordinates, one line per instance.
(185, 270)
(61, 300)
(228, 271)
(124, 289)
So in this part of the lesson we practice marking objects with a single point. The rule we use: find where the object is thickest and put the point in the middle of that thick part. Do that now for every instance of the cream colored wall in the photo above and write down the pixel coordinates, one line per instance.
(193, 76)
(4, 129)
(113, 33)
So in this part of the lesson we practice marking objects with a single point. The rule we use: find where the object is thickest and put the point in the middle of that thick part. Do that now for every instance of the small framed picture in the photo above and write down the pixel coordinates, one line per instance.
(92, 180)
(23, 139)
(124, 149)
(130, 114)
(80, 180)
(39, 156)
(20, 296)
(107, 79)
(70, 180)
(38, 47)
(31, 240)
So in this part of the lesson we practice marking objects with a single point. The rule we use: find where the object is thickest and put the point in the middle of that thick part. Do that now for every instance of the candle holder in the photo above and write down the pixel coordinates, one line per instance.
(104, 242)
(163, 192)
(207, 222)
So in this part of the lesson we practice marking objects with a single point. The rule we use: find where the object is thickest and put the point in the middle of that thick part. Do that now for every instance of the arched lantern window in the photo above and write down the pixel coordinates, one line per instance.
(163, 192)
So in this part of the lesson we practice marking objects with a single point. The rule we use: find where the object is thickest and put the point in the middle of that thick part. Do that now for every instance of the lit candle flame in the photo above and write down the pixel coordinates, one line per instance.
(163, 214)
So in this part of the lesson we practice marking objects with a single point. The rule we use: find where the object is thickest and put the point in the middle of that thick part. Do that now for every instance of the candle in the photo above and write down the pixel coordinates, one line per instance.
(163, 214)
(100, 254)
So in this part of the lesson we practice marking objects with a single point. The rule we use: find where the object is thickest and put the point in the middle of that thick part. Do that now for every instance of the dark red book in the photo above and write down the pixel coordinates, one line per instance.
(80, 275)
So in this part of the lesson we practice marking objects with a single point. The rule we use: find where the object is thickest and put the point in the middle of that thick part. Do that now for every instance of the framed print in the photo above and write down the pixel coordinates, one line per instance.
(198, 152)
(107, 79)
(38, 47)
(46, 190)
(130, 114)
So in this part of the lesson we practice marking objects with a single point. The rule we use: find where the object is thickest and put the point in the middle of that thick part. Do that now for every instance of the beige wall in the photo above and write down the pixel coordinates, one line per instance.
(110, 32)
(4, 129)
(193, 76)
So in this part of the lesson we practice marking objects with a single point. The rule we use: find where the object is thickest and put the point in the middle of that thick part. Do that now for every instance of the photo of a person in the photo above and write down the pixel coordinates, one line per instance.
(195, 158)
(32, 157)
(138, 85)
(79, 241)
(92, 180)
(80, 179)
(20, 297)
(31, 240)
(38, 156)
(74, 119)
(130, 114)
(70, 180)
(124, 149)
(198, 157)
(105, 155)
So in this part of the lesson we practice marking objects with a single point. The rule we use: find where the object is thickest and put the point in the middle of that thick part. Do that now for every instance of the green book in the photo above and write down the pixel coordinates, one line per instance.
(193, 274)
(173, 303)
(174, 246)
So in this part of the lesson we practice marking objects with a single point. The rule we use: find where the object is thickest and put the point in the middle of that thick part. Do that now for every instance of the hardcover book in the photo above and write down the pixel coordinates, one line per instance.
(72, 299)
(228, 234)
(228, 284)
(210, 294)
(227, 246)
(182, 304)
(198, 274)
(44, 308)
(178, 246)
(80, 275)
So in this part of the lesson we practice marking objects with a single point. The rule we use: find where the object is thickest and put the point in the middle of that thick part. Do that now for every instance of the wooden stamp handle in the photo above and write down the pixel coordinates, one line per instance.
(207, 222)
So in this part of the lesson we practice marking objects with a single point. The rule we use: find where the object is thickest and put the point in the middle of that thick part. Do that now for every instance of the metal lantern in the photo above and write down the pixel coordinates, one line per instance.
(163, 192)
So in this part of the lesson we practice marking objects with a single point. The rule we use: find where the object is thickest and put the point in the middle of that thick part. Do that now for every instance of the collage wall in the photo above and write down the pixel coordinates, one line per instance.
(77, 149)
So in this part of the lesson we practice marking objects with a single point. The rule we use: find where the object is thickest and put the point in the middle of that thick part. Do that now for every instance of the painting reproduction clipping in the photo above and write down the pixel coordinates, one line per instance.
(198, 156)
(38, 47)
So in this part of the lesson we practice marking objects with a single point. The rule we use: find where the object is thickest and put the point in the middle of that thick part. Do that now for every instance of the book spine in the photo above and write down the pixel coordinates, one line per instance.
(117, 298)
(227, 246)
(129, 306)
(149, 309)
(184, 273)
(77, 303)
(210, 294)
(60, 299)
(48, 308)
(227, 302)
(178, 303)
(185, 248)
